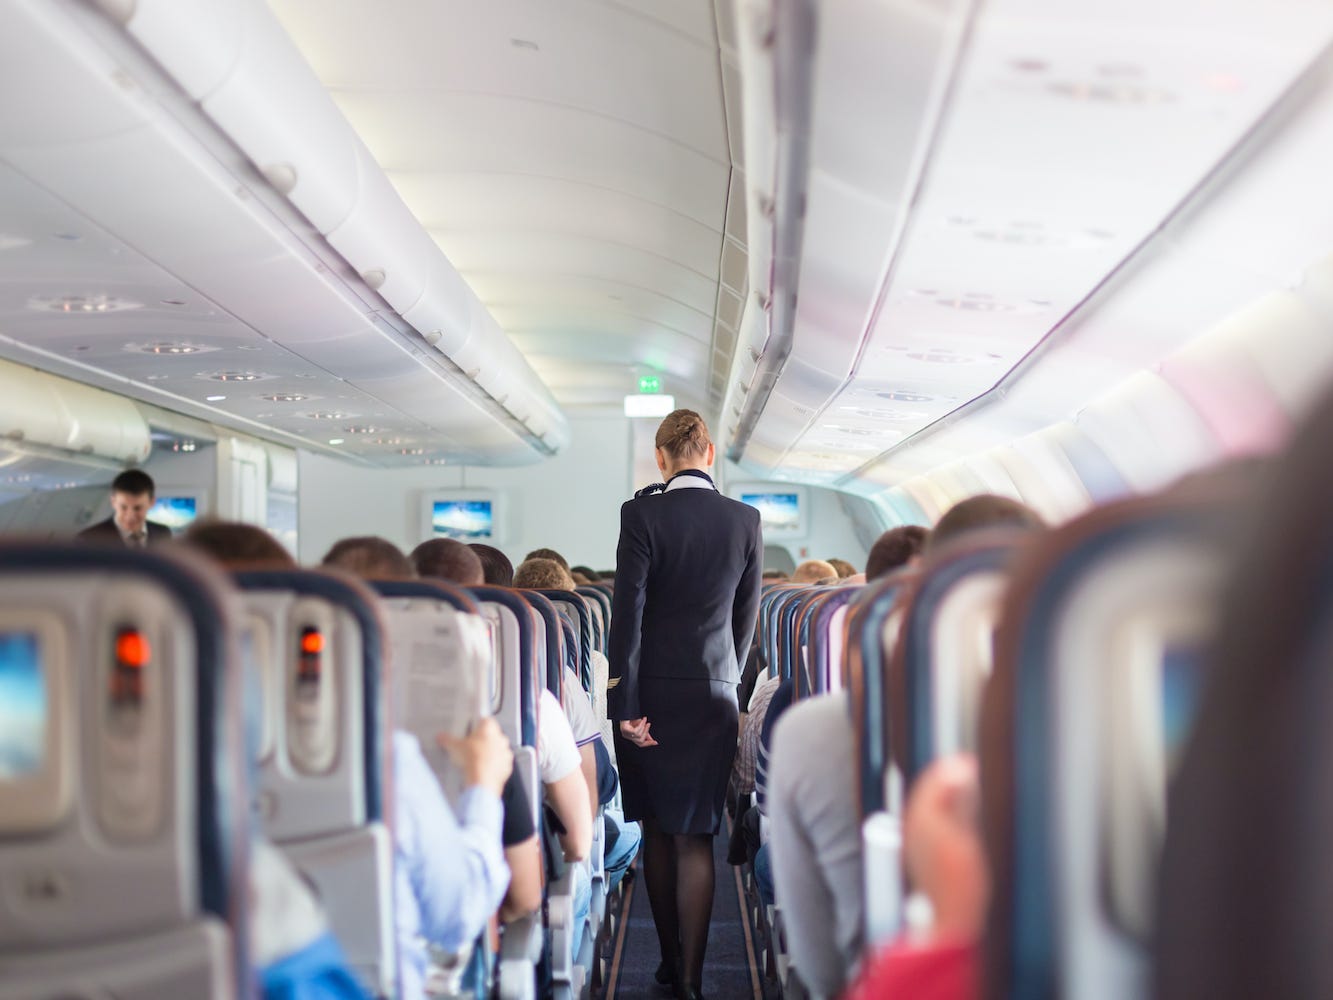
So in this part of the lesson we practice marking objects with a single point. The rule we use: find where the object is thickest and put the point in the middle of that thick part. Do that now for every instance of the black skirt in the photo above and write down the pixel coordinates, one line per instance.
(681, 782)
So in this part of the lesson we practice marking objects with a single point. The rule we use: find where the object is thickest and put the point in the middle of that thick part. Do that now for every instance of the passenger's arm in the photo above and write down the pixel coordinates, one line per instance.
(569, 798)
(633, 555)
(745, 605)
(588, 766)
(809, 905)
(455, 864)
(525, 879)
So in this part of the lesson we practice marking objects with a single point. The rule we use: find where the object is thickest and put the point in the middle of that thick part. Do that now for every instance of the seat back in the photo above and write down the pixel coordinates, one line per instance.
(1095, 661)
(574, 609)
(323, 762)
(600, 603)
(943, 657)
(442, 666)
(124, 824)
(828, 640)
(551, 640)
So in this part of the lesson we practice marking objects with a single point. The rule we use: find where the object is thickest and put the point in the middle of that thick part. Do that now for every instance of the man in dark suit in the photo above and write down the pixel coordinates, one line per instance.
(131, 497)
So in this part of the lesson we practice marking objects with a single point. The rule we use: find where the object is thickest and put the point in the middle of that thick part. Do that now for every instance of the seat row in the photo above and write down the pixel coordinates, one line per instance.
(147, 701)
(1075, 665)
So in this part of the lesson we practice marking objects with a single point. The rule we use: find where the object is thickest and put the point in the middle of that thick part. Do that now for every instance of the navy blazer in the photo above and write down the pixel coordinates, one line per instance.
(106, 532)
(688, 569)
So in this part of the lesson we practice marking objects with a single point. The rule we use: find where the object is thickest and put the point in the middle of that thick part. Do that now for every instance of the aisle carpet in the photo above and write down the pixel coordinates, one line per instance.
(727, 972)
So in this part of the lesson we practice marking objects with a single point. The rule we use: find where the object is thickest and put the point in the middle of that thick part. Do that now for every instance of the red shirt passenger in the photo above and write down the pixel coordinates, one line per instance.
(946, 861)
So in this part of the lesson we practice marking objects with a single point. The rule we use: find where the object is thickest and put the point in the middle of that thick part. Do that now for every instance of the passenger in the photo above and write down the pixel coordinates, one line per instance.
(987, 510)
(621, 843)
(816, 837)
(844, 568)
(290, 943)
(132, 495)
(814, 571)
(540, 573)
(775, 576)
(449, 873)
(370, 558)
(237, 546)
(550, 554)
(450, 560)
(945, 859)
(897, 547)
(589, 575)
(762, 860)
(496, 567)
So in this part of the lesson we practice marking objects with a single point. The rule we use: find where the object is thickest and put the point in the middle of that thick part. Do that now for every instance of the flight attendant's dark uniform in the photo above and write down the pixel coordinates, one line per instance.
(106, 532)
(688, 571)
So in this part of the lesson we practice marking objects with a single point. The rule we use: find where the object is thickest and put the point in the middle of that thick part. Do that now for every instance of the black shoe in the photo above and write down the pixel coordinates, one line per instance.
(666, 973)
(688, 993)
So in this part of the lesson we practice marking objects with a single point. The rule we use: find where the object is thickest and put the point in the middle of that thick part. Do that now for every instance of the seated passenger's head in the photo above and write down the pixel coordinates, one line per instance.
(448, 559)
(583, 575)
(844, 568)
(895, 548)
(542, 574)
(814, 571)
(495, 565)
(369, 557)
(943, 848)
(550, 554)
(237, 546)
(775, 575)
(985, 511)
(131, 497)
(683, 442)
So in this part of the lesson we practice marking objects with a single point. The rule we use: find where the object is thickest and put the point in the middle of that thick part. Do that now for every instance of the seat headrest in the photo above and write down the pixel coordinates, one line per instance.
(123, 779)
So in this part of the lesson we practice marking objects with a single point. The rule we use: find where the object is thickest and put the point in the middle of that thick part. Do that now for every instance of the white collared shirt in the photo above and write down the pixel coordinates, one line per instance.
(687, 482)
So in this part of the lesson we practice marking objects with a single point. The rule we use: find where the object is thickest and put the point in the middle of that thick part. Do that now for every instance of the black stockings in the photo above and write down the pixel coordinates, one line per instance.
(678, 872)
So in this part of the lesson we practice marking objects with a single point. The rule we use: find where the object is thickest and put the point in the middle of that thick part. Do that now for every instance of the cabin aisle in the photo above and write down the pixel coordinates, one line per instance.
(729, 970)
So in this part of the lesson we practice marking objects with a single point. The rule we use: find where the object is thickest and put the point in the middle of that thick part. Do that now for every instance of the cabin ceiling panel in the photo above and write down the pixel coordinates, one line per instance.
(571, 160)
(1070, 136)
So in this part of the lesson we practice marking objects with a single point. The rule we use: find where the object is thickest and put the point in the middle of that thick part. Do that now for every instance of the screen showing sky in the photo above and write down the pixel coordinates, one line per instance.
(776, 510)
(174, 512)
(23, 708)
(466, 520)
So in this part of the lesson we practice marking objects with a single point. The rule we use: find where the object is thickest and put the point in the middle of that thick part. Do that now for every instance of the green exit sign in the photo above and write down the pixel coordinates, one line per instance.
(650, 383)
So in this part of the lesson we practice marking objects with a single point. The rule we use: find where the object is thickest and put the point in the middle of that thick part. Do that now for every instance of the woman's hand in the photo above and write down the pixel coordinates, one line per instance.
(637, 732)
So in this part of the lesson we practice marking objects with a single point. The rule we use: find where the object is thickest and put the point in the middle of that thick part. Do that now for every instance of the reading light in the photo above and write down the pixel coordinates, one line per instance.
(649, 405)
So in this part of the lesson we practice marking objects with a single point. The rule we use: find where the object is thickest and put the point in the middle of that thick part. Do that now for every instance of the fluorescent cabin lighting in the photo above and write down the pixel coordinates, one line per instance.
(649, 405)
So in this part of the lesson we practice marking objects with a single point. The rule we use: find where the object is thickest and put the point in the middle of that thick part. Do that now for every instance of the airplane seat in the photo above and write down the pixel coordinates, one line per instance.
(943, 656)
(1095, 675)
(600, 602)
(828, 641)
(441, 671)
(324, 757)
(124, 827)
(874, 617)
(1244, 899)
(519, 684)
(574, 611)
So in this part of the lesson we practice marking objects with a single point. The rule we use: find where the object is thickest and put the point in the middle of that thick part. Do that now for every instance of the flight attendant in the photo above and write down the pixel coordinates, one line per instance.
(132, 495)
(688, 570)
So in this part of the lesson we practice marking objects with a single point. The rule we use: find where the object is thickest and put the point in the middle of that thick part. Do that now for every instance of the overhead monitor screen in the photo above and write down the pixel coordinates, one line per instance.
(778, 512)
(465, 520)
(174, 511)
(23, 706)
